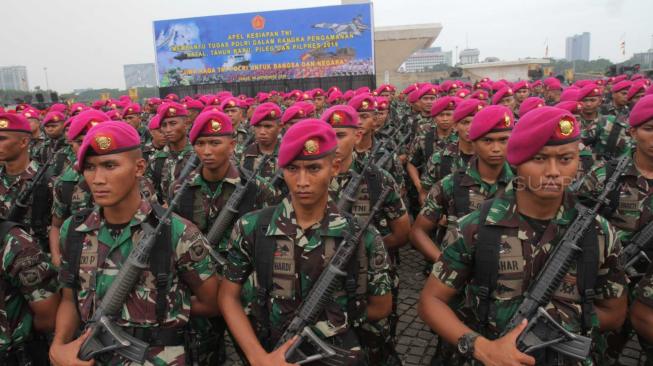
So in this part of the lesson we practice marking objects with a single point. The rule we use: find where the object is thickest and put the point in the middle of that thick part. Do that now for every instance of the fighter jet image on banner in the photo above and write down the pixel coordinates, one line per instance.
(357, 27)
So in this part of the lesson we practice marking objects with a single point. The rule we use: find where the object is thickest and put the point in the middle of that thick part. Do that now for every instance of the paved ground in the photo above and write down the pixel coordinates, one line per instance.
(415, 342)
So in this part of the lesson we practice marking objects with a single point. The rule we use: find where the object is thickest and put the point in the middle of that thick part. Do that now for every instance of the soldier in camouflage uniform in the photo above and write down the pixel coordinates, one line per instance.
(17, 172)
(423, 99)
(618, 105)
(305, 228)
(522, 92)
(453, 156)
(38, 137)
(132, 114)
(29, 298)
(432, 141)
(158, 140)
(393, 223)
(234, 108)
(505, 97)
(527, 219)
(155, 312)
(53, 125)
(174, 125)
(266, 123)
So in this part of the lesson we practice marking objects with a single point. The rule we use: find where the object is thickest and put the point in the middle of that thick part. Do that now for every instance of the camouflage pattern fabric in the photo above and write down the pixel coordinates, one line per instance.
(252, 152)
(417, 153)
(599, 133)
(431, 173)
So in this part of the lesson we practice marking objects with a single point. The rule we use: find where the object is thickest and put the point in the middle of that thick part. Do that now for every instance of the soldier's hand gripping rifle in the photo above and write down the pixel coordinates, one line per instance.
(542, 330)
(320, 295)
(106, 335)
(348, 195)
(636, 249)
(19, 206)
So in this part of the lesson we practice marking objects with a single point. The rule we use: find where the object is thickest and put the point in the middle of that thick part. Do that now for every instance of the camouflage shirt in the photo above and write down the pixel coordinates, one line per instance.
(441, 198)
(522, 257)
(420, 153)
(392, 165)
(599, 134)
(241, 137)
(103, 253)
(294, 275)
(26, 276)
(36, 147)
(621, 113)
(434, 166)
(174, 163)
(252, 157)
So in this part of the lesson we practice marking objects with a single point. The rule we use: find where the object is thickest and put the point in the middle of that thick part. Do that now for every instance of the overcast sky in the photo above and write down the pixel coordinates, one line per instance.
(85, 43)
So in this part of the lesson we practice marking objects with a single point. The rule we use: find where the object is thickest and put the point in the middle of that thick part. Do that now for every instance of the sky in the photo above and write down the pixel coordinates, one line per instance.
(85, 43)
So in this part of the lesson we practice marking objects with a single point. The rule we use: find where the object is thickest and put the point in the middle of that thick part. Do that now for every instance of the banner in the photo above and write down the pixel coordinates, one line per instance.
(275, 45)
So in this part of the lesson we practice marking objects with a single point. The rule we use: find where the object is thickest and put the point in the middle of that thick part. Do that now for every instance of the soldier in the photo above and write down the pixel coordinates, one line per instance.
(590, 98)
(17, 172)
(529, 104)
(529, 216)
(618, 105)
(393, 222)
(174, 125)
(423, 99)
(522, 91)
(55, 146)
(538, 88)
(132, 115)
(158, 141)
(95, 244)
(38, 139)
(29, 298)
(234, 108)
(453, 156)
(432, 141)
(309, 224)
(319, 101)
(194, 108)
(635, 93)
(552, 91)
(292, 115)
(266, 123)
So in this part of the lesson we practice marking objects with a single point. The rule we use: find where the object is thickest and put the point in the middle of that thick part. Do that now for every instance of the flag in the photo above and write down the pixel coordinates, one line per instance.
(623, 48)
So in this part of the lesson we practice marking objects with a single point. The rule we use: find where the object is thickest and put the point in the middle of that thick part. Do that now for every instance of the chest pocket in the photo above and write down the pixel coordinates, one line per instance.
(284, 272)
(475, 200)
(511, 268)
(628, 210)
(80, 199)
(362, 205)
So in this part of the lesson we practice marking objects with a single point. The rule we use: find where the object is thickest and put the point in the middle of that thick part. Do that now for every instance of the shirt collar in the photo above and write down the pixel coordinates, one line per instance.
(96, 220)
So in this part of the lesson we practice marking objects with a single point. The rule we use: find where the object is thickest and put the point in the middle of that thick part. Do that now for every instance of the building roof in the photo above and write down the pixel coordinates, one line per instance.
(527, 61)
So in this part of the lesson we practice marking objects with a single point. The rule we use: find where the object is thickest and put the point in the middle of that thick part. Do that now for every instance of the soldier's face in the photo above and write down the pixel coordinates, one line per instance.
(12, 145)
(444, 120)
(134, 120)
(366, 120)
(214, 151)
(522, 94)
(508, 102)
(347, 139)
(621, 97)
(319, 103)
(643, 137)
(158, 139)
(34, 124)
(462, 127)
(76, 143)
(267, 132)
(308, 180)
(591, 104)
(235, 113)
(380, 119)
(553, 95)
(425, 103)
(491, 148)
(550, 171)
(54, 130)
(113, 177)
(174, 129)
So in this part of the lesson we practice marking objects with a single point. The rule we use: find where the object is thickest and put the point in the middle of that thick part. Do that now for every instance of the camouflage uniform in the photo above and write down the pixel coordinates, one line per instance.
(599, 134)
(174, 163)
(420, 153)
(144, 133)
(294, 275)
(252, 156)
(379, 335)
(393, 166)
(525, 245)
(644, 293)
(10, 188)
(26, 276)
(610, 109)
(49, 148)
(36, 146)
(102, 255)
(241, 137)
(434, 168)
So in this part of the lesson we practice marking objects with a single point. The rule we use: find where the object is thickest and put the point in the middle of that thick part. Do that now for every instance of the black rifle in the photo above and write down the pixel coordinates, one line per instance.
(348, 195)
(542, 330)
(19, 206)
(320, 295)
(106, 335)
(383, 160)
(636, 249)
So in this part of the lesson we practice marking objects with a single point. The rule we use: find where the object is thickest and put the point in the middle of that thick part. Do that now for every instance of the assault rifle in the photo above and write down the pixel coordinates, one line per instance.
(348, 195)
(106, 335)
(542, 330)
(383, 160)
(19, 206)
(320, 295)
(636, 249)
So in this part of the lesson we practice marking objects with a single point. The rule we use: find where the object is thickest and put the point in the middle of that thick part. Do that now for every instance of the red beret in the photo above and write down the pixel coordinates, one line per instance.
(444, 104)
(307, 140)
(571, 106)
(382, 103)
(317, 92)
(427, 89)
(599, 82)
(54, 117)
(385, 88)
(334, 97)
(211, 108)
(570, 93)
(132, 108)
(504, 92)
(125, 99)
(265, 112)
(636, 88)
(636, 77)
(309, 108)
(582, 83)
(172, 96)
(332, 89)
(589, 91)
(536, 83)
(520, 85)
(462, 93)
(341, 116)
(363, 103)
(348, 95)
(224, 94)
(409, 89)
(262, 97)
(231, 102)
(529, 104)
(624, 84)
(446, 85)
(293, 112)
(649, 91)
(480, 94)
(619, 78)
(155, 123)
(467, 108)
(642, 111)
(107, 138)
(154, 101)
(85, 121)
(494, 118)
(552, 84)
(210, 124)
(114, 114)
(294, 94)
(58, 107)
(31, 112)
(23, 106)
(14, 123)
(498, 85)
(193, 104)
(362, 90)
(540, 127)
(171, 110)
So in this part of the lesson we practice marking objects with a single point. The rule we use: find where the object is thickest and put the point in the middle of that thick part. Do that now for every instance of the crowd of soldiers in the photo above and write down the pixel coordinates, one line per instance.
(150, 233)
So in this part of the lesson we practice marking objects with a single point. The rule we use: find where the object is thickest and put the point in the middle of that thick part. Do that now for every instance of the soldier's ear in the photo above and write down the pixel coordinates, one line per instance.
(335, 165)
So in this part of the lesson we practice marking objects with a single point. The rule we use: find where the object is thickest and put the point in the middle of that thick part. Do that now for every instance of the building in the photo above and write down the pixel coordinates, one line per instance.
(426, 59)
(13, 78)
(469, 56)
(509, 70)
(578, 47)
(140, 75)
(644, 59)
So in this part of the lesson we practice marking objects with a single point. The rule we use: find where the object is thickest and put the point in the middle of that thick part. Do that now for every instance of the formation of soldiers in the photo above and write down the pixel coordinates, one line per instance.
(148, 234)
